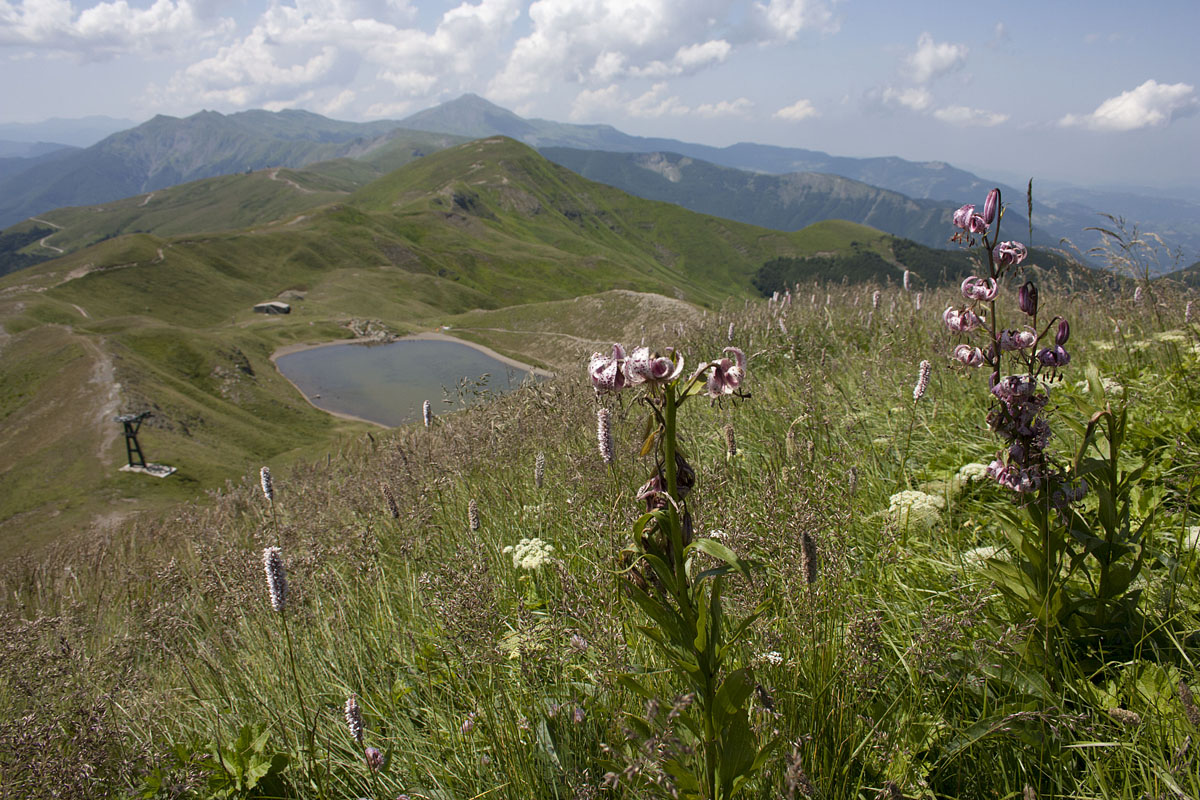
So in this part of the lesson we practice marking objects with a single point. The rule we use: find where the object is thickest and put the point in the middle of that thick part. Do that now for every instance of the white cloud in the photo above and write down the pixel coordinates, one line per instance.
(688, 59)
(106, 30)
(594, 43)
(917, 98)
(592, 103)
(1151, 105)
(797, 111)
(654, 104)
(974, 117)
(726, 108)
(784, 19)
(324, 46)
(932, 59)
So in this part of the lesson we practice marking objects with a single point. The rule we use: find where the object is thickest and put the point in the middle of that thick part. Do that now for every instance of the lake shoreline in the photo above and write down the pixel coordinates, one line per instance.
(427, 336)
(436, 336)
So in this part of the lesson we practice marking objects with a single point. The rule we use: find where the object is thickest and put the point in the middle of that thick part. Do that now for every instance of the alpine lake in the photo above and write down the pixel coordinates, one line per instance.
(388, 383)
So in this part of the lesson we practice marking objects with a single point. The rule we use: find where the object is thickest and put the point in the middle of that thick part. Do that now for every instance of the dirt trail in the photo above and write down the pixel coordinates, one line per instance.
(43, 242)
(274, 175)
(536, 333)
(108, 393)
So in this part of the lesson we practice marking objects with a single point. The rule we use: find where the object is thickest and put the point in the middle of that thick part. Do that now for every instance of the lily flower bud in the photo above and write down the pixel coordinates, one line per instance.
(991, 205)
(1063, 334)
(1027, 298)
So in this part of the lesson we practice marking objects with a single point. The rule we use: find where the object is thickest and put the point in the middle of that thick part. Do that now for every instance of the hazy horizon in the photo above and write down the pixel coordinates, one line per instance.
(1095, 99)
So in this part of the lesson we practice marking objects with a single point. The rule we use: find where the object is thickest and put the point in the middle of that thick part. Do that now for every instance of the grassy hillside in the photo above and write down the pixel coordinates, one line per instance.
(784, 202)
(165, 318)
(891, 662)
(222, 203)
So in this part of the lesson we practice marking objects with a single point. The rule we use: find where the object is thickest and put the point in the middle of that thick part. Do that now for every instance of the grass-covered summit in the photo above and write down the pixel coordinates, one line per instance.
(161, 320)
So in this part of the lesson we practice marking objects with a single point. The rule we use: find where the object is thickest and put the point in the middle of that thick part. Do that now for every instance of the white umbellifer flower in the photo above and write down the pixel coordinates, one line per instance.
(911, 508)
(969, 473)
(1110, 386)
(1175, 337)
(530, 553)
(774, 658)
(978, 556)
(1191, 541)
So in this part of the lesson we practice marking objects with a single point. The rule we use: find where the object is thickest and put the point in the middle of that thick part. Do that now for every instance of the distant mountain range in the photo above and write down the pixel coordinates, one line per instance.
(80, 132)
(779, 187)
(167, 151)
(473, 116)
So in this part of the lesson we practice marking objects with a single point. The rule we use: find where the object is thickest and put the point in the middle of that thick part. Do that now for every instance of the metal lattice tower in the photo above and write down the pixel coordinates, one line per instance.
(132, 422)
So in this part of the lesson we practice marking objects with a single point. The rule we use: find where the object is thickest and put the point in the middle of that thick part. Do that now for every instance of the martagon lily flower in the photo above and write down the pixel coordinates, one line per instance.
(608, 374)
(727, 375)
(643, 367)
(984, 289)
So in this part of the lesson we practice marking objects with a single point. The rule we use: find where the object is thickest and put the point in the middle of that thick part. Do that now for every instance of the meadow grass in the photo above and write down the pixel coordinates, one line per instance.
(151, 663)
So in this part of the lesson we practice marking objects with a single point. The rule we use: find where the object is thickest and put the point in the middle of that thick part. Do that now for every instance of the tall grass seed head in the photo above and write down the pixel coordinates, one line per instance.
(473, 514)
(922, 381)
(268, 488)
(809, 567)
(354, 721)
(389, 500)
(276, 577)
(604, 440)
(539, 469)
(427, 413)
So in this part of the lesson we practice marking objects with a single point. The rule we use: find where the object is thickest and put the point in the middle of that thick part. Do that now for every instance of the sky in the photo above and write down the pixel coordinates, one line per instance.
(1092, 93)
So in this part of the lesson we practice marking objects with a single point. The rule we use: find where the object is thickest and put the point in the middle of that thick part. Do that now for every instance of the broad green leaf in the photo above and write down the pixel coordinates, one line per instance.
(732, 695)
(717, 550)
(737, 752)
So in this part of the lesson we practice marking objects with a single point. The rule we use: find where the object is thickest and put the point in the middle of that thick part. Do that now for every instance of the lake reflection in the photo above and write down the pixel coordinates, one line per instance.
(387, 383)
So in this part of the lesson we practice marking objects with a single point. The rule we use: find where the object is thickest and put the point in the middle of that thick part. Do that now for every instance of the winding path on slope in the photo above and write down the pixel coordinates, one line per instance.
(43, 242)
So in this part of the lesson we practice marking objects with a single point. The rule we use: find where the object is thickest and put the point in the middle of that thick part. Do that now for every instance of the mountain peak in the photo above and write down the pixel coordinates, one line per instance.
(472, 116)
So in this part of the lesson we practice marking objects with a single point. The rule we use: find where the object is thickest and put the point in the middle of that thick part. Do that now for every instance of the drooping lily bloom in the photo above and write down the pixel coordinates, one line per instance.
(726, 375)
(971, 356)
(1054, 356)
(1009, 253)
(991, 205)
(984, 289)
(962, 217)
(976, 224)
(643, 367)
(1017, 340)
(608, 374)
(963, 321)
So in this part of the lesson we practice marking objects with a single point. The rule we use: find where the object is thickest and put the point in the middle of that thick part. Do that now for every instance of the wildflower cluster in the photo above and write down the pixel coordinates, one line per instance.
(912, 509)
(1034, 354)
(611, 374)
(530, 554)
